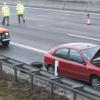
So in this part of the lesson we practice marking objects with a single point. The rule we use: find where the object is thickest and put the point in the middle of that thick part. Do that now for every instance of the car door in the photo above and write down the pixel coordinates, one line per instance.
(77, 67)
(61, 55)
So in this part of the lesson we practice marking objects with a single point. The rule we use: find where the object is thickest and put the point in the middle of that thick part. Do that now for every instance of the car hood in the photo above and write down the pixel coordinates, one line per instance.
(97, 54)
(3, 30)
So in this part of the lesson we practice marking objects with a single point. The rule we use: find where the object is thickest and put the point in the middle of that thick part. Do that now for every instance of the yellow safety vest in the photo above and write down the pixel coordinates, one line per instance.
(5, 10)
(20, 8)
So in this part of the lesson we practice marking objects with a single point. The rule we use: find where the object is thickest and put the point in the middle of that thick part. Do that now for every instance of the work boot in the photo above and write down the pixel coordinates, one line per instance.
(7, 24)
(24, 21)
(3, 23)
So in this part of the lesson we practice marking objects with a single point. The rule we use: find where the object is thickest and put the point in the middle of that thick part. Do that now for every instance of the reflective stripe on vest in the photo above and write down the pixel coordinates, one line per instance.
(20, 9)
(5, 11)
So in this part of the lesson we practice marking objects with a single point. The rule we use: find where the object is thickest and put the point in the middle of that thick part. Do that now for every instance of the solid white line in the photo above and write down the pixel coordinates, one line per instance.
(44, 51)
(48, 9)
(60, 10)
(28, 47)
(83, 37)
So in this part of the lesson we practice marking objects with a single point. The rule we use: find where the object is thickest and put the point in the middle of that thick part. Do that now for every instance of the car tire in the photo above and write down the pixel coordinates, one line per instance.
(51, 69)
(37, 64)
(95, 82)
(5, 44)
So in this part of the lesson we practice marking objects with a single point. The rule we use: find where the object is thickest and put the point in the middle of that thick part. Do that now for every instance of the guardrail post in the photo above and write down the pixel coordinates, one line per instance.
(31, 77)
(52, 91)
(0, 66)
(74, 95)
(15, 74)
(64, 4)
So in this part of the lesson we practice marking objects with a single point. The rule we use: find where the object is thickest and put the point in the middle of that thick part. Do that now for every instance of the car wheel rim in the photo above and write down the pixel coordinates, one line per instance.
(96, 83)
(51, 70)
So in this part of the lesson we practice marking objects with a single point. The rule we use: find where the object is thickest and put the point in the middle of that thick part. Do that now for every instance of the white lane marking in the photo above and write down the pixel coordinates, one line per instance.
(44, 51)
(28, 47)
(60, 10)
(83, 37)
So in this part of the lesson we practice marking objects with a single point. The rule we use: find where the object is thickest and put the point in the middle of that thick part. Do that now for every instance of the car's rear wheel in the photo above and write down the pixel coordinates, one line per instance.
(50, 69)
(95, 82)
(5, 43)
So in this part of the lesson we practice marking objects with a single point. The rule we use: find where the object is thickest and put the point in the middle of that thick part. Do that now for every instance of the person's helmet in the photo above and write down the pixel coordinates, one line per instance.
(19, 1)
(4, 3)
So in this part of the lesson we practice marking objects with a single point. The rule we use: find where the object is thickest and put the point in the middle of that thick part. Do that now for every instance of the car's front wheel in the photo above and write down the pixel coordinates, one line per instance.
(51, 69)
(5, 43)
(95, 82)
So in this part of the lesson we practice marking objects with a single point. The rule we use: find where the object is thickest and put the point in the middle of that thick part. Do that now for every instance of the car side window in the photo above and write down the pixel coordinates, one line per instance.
(75, 56)
(61, 53)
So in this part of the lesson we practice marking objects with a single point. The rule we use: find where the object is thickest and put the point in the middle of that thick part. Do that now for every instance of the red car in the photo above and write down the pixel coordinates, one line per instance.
(4, 36)
(76, 60)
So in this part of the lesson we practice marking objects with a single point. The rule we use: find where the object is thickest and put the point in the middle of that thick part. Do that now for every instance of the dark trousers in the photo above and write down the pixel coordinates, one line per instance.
(19, 18)
(4, 19)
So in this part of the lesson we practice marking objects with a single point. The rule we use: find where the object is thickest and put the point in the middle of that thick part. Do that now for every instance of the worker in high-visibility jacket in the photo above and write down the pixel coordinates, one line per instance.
(20, 11)
(5, 14)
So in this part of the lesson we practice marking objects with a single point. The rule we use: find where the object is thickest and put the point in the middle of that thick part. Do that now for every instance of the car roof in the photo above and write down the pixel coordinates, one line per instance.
(79, 46)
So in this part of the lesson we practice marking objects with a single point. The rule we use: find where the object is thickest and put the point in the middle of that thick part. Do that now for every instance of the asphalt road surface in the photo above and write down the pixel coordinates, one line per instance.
(45, 29)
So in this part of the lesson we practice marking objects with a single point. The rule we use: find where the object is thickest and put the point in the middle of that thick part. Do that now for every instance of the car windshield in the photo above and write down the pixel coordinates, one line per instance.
(89, 53)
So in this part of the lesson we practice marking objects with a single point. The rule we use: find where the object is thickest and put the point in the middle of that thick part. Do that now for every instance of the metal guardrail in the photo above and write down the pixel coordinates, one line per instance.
(61, 86)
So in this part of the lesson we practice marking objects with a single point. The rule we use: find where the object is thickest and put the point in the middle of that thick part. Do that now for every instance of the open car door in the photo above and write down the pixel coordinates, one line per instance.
(96, 58)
